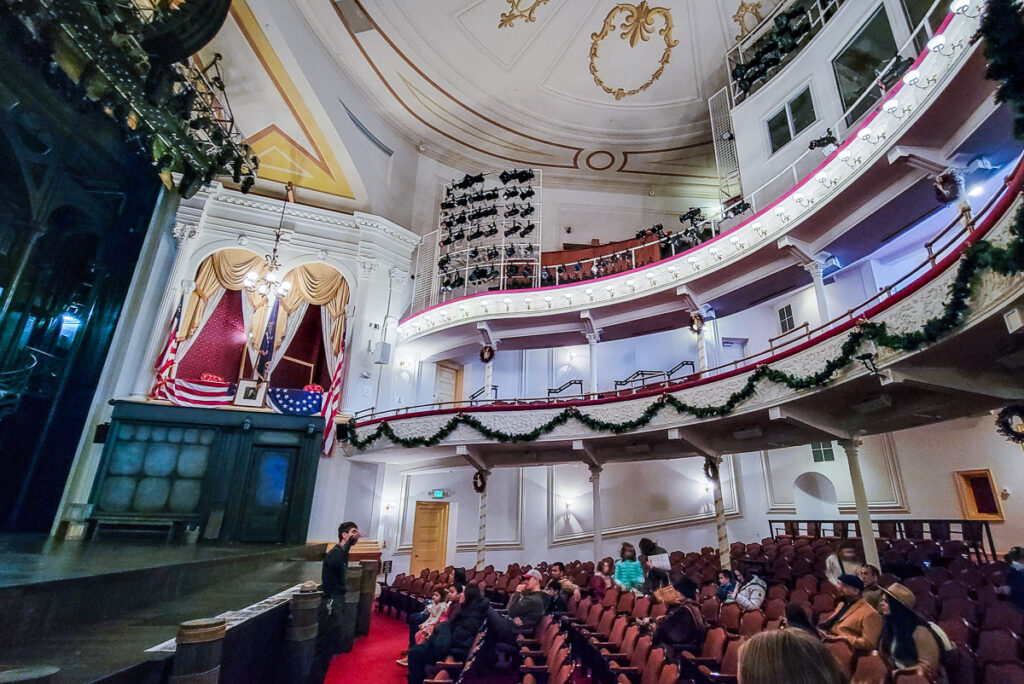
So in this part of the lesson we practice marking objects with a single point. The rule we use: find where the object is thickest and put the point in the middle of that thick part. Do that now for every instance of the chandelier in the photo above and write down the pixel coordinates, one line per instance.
(270, 284)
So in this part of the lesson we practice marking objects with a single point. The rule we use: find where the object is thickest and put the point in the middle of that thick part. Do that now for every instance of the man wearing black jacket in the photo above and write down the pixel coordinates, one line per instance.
(453, 637)
(332, 579)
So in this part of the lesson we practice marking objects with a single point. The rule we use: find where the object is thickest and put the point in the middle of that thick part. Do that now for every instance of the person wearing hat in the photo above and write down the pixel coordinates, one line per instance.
(908, 640)
(683, 627)
(525, 609)
(854, 620)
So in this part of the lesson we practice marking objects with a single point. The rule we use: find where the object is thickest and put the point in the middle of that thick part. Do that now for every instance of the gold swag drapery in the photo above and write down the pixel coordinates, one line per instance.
(318, 284)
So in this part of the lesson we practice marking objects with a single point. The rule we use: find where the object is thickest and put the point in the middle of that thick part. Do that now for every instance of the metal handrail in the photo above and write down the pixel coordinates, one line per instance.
(966, 228)
(671, 372)
(805, 326)
(483, 390)
(558, 390)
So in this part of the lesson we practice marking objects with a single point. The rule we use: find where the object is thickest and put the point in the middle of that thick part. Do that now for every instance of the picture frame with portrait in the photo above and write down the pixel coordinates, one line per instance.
(251, 394)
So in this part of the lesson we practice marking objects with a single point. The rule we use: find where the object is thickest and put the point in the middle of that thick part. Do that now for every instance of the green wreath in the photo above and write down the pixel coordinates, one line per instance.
(1010, 428)
(487, 354)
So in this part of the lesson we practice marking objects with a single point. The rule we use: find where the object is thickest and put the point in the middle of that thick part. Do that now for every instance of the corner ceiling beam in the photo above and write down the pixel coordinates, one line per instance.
(809, 420)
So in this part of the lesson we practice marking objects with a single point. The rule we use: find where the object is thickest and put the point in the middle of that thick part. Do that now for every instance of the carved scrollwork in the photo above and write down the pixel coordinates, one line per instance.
(639, 24)
(516, 11)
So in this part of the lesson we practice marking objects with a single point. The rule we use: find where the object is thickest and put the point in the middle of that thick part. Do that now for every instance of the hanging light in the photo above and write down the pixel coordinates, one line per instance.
(270, 284)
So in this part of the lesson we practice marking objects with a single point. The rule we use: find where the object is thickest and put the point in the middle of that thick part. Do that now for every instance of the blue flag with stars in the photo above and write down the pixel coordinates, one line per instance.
(294, 402)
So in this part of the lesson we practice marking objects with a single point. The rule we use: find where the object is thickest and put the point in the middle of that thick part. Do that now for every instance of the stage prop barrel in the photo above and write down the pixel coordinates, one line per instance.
(300, 635)
(197, 656)
(367, 588)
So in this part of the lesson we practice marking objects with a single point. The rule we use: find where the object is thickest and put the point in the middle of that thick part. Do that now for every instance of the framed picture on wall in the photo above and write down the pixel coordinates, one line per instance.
(250, 393)
(979, 497)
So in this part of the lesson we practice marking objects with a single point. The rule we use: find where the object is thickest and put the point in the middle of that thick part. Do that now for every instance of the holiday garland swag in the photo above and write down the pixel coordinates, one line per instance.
(1003, 33)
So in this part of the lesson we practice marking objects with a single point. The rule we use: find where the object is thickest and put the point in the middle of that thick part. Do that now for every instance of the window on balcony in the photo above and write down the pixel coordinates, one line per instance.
(786, 321)
(791, 120)
(857, 66)
(822, 452)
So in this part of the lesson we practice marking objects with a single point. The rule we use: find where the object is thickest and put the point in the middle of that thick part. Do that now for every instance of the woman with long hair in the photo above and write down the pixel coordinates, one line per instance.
(629, 574)
(788, 655)
(907, 639)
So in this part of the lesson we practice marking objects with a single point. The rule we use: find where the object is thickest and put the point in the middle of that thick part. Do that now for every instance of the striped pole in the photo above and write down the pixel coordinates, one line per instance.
(481, 531)
(595, 480)
(713, 463)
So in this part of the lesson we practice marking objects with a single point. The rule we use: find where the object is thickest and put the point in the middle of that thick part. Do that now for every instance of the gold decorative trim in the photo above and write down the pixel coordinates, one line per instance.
(599, 154)
(517, 12)
(638, 25)
(742, 12)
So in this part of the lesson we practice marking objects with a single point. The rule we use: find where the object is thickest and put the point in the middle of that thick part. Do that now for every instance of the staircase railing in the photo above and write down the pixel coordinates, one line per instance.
(558, 390)
(482, 391)
(671, 372)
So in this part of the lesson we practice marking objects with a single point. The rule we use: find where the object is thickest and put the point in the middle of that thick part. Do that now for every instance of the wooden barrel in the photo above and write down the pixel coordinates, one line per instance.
(367, 588)
(37, 674)
(197, 656)
(300, 635)
(350, 608)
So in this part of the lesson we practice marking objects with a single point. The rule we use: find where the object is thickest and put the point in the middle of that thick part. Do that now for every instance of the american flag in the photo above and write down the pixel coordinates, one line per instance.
(164, 367)
(294, 402)
(197, 393)
(331, 403)
(267, 345)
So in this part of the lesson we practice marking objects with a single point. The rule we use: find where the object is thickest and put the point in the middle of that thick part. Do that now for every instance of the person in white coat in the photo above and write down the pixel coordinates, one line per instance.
(749, 592)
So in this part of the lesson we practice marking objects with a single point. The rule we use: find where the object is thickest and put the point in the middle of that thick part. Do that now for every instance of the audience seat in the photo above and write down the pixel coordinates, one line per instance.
(843, 654)
(998, 646)
(1004, 673)
(751, 622)
(729, 617)
(1003, 615)
(870, 669)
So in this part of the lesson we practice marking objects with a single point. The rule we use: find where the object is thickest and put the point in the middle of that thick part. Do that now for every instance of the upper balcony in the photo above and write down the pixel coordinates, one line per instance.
(847, 205)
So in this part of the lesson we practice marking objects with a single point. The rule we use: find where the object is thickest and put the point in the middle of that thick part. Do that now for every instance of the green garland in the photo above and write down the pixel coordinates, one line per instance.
(978, 258)
(1004, 55)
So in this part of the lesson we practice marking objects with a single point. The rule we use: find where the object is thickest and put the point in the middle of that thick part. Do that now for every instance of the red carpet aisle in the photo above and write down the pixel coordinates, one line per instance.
(372, 659)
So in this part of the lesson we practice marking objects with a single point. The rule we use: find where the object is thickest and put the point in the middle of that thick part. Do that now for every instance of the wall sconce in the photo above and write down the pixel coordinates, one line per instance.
(247, 424)
(590, 293)
(869, 136)
(507, 302)
(847, 158)
(484, 304)
(780, 211)
(715, 253)
(735, 242)
(462, 310)
(825, 180)
(529, 301)
(938, 44)
(672, 270)
(913, 78)
(428, 318)
(708, 486)
(547, 300)
(693, 263)
(631, 284)
(568, 298)
(611, 290)
(761, 230)
(892, 108)
(962, 7)
(653, 277)
(803, 200)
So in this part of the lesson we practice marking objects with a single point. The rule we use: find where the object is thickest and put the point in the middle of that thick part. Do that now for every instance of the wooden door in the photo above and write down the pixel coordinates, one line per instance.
(429, 536)
(268, 494)
(448, 382)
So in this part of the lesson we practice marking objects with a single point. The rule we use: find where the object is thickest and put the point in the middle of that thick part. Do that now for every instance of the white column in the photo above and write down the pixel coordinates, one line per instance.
(595, 479)
(702, 345)
(592, 340)
(481, 534)
(488, 379)
(815, 268)
(860, 497)
(712, 464)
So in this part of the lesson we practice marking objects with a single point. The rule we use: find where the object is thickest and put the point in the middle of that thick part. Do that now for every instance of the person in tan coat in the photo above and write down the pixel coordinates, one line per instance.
(908, 640)
(854, 621)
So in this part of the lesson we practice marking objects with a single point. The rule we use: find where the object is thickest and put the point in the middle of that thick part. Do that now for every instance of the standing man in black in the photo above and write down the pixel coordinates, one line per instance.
(332, 579)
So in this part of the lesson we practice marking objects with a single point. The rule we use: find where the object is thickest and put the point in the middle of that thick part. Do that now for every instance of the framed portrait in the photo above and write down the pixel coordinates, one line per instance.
(250, 393)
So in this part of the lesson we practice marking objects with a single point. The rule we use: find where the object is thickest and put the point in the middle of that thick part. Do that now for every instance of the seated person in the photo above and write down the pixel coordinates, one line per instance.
(525, 609)
(453, 637)
(854, 620)
(1014, 587)
(422, 624)
(726, 585)
(602, 579)
(796, 618)
(629, 574)
(787, 655)
(749, 592)
(872, 592)
(844, 561)
(908, 640)
(682, 628)
(560, 588)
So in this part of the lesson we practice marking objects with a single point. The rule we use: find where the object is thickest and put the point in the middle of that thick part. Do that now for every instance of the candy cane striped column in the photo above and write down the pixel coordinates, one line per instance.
(481, 530)
(723, 536)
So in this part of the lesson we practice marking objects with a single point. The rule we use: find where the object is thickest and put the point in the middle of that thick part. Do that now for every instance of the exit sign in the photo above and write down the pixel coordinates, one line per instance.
(438, 494)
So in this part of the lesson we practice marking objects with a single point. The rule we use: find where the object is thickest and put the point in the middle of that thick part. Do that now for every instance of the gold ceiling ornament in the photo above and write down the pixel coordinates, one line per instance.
(638, 26)
(517, 12)
(745, 10)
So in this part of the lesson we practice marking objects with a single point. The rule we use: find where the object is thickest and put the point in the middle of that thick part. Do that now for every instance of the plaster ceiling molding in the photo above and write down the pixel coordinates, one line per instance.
(404, 545)
(727, 469)
(284, 123)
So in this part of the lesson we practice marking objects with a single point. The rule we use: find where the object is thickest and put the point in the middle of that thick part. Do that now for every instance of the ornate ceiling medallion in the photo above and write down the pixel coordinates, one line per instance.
(517, 12)
(638, 25)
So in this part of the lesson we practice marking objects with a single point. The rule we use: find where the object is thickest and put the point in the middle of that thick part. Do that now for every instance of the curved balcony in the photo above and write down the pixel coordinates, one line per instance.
(800, 210)
(887, 390)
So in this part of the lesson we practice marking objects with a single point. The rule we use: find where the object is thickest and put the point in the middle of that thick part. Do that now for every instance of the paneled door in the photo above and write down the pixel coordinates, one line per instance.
(429, 536)
(268, 494)
(448, 382)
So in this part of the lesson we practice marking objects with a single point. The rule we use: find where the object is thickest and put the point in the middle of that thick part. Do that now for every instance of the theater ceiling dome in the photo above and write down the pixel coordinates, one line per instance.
(588, 88)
